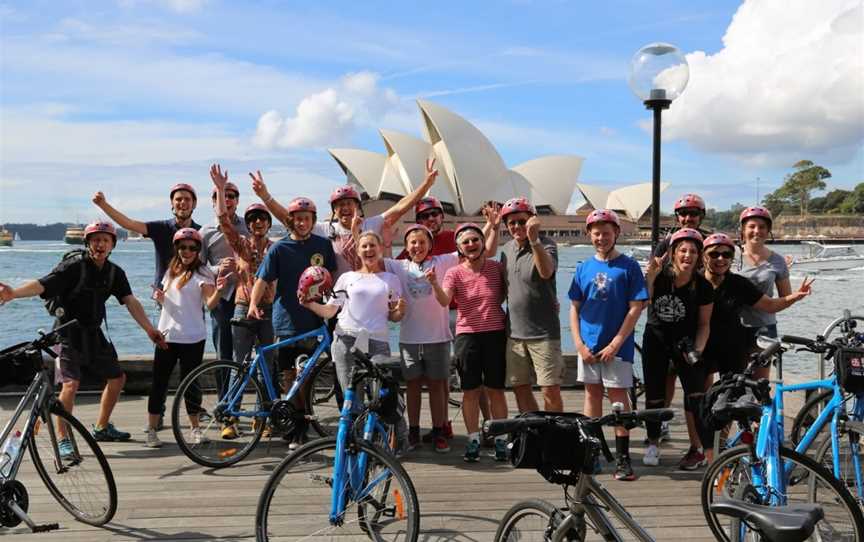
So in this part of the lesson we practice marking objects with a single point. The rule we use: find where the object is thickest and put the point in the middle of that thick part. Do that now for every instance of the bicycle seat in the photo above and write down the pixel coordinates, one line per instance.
(793, 523)
(394, 365)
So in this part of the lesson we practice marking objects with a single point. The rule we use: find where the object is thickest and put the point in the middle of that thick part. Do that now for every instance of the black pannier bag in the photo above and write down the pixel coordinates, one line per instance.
(849, 368)
(554, 446)
(391, 407)
(18, 365)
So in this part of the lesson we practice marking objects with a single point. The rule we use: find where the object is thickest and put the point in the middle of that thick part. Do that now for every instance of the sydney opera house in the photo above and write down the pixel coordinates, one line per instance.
(471, 172)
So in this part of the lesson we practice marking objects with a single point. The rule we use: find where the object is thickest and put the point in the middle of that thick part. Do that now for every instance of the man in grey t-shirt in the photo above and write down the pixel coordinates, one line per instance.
(534, 341)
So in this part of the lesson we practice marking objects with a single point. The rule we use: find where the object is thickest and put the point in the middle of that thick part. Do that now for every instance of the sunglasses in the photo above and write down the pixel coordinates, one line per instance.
(191, 248)
(429, 214)
(261, 217)
(228, 195)
(721, 254)
(689, 212)
(514, 223)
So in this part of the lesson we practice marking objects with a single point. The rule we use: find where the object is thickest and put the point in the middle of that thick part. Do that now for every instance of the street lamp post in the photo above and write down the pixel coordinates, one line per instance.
(658, 75)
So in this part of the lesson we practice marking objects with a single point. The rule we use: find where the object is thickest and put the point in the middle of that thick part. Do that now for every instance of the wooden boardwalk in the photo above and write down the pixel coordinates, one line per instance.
(164, 496)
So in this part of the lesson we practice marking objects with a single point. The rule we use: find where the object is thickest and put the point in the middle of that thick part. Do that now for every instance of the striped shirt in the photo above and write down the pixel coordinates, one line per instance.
(478, 296)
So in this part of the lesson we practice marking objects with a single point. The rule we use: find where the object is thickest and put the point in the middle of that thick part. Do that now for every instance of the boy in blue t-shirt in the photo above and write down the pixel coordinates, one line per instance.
(607, 296)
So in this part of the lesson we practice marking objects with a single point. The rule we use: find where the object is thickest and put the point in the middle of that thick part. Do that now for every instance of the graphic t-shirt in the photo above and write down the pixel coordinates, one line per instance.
(182, 314)
(604, 290)
(425, 320)
(365, 303)
(674, 311)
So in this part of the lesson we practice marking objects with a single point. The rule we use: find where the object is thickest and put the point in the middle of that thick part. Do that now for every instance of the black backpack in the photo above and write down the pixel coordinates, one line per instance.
(56, 305)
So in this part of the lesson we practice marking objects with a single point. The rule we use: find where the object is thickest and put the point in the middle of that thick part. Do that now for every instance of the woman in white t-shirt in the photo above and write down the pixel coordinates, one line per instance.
(189, 286)
(424, 333)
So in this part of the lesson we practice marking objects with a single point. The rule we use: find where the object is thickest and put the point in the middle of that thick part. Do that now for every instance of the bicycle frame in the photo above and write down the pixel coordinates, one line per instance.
(586, 490)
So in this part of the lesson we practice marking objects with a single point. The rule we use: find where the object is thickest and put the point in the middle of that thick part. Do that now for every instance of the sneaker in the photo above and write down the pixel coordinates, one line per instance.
(110, 434)
(624, 470)
(159, 425)
(429, 438)
(652, 456)
(413, 438)
(152, 439)
(67, 451)
(441, 444)
(299, 439)
(448, 430)
(229, 432)
(664, 431)
(692, 460)
(472, 452)
(501, 453)
(198, 437)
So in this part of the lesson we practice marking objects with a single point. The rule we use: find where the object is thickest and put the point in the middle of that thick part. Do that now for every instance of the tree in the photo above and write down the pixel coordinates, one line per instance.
(854, 202)
(797, 186)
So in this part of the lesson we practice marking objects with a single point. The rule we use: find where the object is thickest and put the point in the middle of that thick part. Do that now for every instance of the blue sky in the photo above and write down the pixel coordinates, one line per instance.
(131, 96)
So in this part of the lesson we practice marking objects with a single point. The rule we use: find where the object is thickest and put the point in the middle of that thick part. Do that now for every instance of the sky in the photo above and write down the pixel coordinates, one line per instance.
(131, 96)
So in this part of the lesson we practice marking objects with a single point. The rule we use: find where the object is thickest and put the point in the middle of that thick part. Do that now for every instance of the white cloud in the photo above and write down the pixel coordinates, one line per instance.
(178, 6)
(788, 84)
(330, 116)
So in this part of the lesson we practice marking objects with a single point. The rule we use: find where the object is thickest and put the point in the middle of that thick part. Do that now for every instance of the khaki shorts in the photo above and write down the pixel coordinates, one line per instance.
(535, 361)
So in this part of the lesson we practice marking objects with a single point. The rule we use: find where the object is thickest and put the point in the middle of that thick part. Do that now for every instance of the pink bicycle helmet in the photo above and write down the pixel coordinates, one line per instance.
(517, 205)
(228, 186)
(428, 203)
(314, 283)
(685, 234)
(718, 239)
(418, 227)
(602, 215)
(690, 201)
(183, 186)
(100, 226)
(256, 208)
(188, 234)
(344, 192)
(755, 212)
(301, 204)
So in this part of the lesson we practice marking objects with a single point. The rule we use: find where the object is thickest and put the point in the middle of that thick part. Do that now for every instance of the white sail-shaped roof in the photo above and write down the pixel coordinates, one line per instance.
(633, 200)
(362, 168)
(553, 178)
(407, 155)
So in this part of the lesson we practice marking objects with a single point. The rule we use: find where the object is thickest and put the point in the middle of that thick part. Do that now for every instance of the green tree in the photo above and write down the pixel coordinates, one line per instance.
(797, 186)
(854, 201)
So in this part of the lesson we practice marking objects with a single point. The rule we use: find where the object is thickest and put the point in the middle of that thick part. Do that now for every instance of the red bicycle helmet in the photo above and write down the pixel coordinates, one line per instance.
(427, 203)
(344, 192)
(690, 201)
(188, 234)
(685, 234)
(517, 205)
(183, 186)
(228, 186)
(718, 239)
(418, 227)
(602, 215)
(100, 226)
(256, 208)
(301, 204)
(315, 282)
(755, 212)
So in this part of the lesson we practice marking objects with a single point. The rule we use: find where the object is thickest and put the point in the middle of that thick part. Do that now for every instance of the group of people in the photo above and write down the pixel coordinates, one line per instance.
(494, 320)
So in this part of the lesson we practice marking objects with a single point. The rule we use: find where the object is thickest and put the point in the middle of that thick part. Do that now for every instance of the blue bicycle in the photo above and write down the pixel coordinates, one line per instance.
(762, 471)
(350, 486)
(244, 396)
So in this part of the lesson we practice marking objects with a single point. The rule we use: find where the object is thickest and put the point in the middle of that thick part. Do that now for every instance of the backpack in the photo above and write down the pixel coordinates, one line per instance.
(55, 305)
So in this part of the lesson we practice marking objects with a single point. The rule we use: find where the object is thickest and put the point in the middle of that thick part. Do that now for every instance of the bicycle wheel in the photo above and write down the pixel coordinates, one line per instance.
(807, 415)
(324, 399)
(808, 482)
(295, 503)
(82, 483)
(847, 452)
(531, 520)
(204, 393)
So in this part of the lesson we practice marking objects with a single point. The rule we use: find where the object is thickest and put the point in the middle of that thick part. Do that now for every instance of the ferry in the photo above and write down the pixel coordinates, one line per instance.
(74, 235)
(6, 238)
(828, 258)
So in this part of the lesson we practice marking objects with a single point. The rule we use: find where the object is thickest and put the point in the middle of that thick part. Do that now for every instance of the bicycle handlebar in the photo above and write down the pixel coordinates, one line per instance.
(43, 343)
(248, 323)
(517, 425)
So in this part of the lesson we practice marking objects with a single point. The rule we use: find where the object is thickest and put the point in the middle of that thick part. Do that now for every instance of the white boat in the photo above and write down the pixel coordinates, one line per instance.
(828, 258)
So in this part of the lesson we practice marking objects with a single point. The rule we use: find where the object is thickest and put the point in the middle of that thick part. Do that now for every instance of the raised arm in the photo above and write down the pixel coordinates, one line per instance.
(235, 241)
(777, 304)
(28, 289)
(393, 214)
(655, 265)
(260, 189)
(443, 296)
(117, 216)
(543, 261)
(491, 228)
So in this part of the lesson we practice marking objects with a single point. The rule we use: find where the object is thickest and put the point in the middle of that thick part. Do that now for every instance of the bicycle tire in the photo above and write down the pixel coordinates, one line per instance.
(534, 516)
(825, 457)
(299, 490)
(809, 482)
(807, 415)
(215, 451)
(83, 484)
(324, 398)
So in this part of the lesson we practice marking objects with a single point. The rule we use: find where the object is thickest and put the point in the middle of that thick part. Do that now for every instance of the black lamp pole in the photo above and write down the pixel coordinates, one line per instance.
(657, 103)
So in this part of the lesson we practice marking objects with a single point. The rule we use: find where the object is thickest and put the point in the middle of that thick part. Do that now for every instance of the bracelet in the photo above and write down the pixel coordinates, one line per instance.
(268, 199)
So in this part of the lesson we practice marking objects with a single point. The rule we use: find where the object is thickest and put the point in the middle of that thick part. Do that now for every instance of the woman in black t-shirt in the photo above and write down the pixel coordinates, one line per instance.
(677, 332)
(728, 343)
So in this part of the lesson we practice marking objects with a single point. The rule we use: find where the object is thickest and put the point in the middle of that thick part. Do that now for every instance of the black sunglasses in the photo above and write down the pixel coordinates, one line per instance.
(429, 214)
(721, 254)
(689, 212)
(193, 248)
(519, 222)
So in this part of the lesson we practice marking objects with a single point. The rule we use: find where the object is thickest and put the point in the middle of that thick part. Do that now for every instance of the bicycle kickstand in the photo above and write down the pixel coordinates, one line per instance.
(22, 515)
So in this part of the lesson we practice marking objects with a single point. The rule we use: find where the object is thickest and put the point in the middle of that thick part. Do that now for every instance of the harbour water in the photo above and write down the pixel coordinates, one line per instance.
(26, 260)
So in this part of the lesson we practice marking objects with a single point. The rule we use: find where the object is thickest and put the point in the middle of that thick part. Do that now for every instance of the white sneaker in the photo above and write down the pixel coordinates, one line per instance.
(198, 437)
(664, 431)
(152, 439)
(652, 456)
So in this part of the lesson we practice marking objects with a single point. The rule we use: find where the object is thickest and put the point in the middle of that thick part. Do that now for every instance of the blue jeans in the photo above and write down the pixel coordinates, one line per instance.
(220, 318)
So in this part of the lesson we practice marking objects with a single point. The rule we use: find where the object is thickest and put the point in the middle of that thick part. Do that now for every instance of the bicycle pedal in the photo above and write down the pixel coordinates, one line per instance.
(45, 528)
(321, 478)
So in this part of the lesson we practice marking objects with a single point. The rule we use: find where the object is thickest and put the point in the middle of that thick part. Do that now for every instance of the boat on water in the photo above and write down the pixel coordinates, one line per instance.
(74, 235)
(6, 238)
(828, 258)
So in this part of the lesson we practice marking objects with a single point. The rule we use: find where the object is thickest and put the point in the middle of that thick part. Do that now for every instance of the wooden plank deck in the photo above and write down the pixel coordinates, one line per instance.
(164, 496)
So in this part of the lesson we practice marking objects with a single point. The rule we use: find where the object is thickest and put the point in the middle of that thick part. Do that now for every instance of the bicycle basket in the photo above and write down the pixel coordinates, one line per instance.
(849, 368)
(18, 365)
(555, 446)
(391, 407)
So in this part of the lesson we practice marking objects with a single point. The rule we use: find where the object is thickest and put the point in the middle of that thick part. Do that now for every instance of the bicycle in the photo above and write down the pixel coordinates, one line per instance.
(563, 449)
(761, 471)
(349, 485)
(65, 454)
(774, 523)
(225, 392)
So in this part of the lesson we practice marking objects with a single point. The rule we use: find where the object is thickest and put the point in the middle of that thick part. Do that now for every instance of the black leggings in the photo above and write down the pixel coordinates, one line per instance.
(190, 356)
(657, 354)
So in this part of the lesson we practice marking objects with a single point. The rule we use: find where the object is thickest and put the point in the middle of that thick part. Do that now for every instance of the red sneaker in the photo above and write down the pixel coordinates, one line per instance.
(441, 445)
(448, 429)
